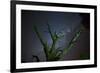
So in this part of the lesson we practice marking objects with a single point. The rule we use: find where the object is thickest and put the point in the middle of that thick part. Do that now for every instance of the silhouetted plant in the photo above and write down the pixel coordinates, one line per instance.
(51, 52)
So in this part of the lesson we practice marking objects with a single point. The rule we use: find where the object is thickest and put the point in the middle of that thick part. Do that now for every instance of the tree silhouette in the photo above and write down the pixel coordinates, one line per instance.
(51, 52)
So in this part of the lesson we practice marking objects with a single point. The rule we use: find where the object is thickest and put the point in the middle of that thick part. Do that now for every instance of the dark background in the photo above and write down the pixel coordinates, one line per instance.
(65, 22)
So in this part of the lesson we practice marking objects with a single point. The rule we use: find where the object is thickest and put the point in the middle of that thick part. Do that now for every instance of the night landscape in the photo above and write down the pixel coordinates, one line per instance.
(54, 36)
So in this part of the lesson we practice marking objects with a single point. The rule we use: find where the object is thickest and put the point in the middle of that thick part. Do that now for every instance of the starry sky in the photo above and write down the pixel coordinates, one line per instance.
(66, 23)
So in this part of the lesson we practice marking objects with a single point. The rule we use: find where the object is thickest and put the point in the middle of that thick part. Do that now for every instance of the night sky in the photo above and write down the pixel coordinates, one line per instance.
(66, 23)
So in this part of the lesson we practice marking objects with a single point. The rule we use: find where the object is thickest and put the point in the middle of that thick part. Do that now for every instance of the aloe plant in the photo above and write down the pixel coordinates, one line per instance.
(51, 52)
